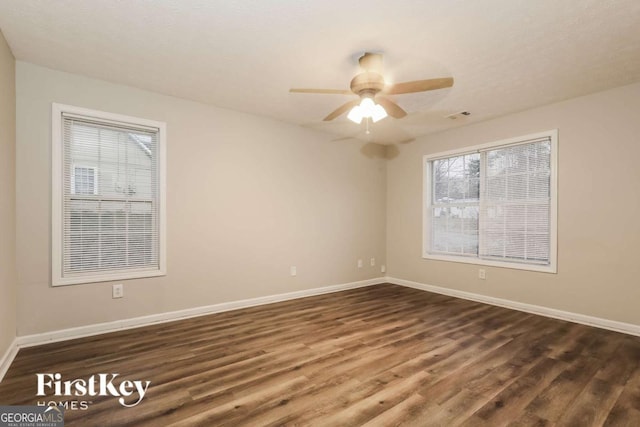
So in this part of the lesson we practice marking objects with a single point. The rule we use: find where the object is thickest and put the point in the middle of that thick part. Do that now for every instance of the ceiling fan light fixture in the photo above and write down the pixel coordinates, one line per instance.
(356, 114)
(378, 113)
(367, 109)
(367, 104)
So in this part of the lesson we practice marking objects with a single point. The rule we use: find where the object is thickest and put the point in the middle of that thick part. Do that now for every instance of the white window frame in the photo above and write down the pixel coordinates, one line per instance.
(552, 267)
(57, 175)
(73, 177)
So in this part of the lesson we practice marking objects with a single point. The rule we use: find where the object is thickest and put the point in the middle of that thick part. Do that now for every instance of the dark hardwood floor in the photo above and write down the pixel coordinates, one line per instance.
(376, 356)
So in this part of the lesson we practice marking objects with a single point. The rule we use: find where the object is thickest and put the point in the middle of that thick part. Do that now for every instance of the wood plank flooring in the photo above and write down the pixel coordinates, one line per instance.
(376, 356)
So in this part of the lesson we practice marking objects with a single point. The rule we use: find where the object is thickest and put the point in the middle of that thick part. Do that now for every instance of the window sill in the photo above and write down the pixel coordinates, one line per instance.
(489, 263)
(84, 279)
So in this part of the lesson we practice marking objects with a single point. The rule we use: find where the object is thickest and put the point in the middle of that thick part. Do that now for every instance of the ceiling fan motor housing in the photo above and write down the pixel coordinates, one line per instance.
(367, 83)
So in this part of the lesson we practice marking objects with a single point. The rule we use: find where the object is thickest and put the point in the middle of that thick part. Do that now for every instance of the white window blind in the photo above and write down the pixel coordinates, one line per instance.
(110, 202)
(495, 204)
(516, 202)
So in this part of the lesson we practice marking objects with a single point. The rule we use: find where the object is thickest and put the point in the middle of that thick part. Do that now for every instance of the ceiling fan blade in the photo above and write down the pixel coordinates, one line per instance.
(391, 107)
(419, 86)
(323, 91)
(342, 109)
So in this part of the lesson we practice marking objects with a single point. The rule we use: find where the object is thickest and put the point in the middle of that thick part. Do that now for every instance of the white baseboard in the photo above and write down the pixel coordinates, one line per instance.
(7, 358)
(612, 325)
(118, 325)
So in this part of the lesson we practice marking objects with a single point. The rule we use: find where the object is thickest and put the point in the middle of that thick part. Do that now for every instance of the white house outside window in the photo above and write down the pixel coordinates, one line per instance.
(494, 204)
(84, 180)
(108, 196)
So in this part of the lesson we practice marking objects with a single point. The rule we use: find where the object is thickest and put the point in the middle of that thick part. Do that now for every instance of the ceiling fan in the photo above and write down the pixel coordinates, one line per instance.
(370, 87)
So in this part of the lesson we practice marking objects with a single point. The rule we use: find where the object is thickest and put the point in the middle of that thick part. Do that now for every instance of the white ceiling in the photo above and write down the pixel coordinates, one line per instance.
(505, 55)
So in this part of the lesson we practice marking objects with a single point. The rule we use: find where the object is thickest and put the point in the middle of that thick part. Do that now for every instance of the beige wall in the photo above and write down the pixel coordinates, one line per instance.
(599, 209)
(8, 277)
(247, 198)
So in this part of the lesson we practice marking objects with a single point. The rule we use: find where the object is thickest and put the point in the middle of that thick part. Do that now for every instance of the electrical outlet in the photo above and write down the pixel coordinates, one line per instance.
(359, 263)
(294, 270)
(383, 269)
(117, 291)
(373, 262)
(482, 274)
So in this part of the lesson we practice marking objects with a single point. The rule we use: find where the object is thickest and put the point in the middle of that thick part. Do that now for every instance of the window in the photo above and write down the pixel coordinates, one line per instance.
(108, 196)
(83, 180)
(494, 204)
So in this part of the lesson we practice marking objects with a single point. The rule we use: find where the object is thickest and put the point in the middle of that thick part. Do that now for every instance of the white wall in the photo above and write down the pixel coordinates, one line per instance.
(8, 277)
(247, 198)
(598, 203)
